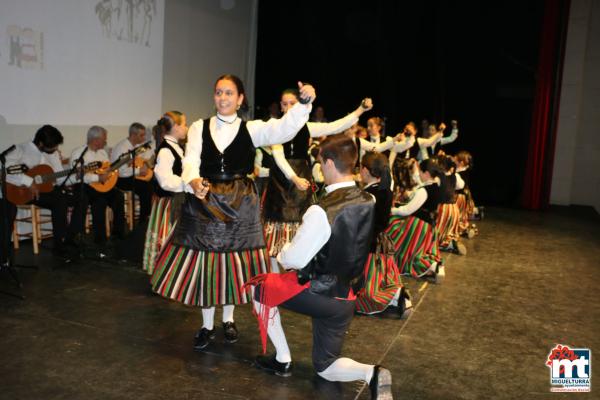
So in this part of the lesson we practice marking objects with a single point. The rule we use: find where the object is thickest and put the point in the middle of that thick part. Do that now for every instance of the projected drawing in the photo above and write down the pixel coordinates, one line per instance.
(127, 20)
(26, 48)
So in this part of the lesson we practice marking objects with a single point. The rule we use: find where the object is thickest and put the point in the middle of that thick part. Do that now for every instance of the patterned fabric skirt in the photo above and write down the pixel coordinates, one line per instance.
(447, 222)
(215, 248)
(159, 227)
(461, 203)
(277, 234)
(381, 283)
(205, 279)
(415, 244)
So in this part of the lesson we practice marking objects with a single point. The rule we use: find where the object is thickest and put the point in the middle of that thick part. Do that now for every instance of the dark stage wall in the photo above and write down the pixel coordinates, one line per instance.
(441, 60)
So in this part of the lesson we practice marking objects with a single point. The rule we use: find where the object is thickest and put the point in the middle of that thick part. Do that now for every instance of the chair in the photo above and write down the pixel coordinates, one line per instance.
(37, 218)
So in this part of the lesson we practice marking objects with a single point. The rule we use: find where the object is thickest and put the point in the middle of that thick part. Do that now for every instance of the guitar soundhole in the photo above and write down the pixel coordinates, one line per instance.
(38, 180)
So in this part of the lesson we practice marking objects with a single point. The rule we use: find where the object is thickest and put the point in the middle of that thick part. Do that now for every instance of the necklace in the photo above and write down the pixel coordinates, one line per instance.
(227, 122)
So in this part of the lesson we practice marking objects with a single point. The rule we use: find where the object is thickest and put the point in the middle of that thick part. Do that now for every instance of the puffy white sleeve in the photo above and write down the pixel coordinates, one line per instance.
(164, 172)
(282, 163)
(413, 205)
(312, 234)
(275, 131)
(317, 129)
(193, 148)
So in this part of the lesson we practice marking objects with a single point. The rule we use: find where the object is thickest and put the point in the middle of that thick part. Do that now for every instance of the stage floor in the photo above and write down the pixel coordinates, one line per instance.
(93, 330)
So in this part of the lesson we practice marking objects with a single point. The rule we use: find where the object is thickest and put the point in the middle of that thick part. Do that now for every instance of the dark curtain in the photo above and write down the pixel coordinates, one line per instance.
(540, 159)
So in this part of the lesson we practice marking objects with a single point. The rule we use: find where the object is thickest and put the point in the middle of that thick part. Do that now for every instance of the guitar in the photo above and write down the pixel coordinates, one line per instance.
(113, 173)
(44, 177)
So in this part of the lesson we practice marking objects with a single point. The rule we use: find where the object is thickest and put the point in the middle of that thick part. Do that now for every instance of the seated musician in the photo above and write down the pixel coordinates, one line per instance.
(99, 200)
(126, 181)
(44, 150)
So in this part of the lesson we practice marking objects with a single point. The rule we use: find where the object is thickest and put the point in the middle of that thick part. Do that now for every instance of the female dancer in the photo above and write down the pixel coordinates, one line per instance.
(412, 226)
(287, 196)
(218, 242)
(382, 286)
(167, 183)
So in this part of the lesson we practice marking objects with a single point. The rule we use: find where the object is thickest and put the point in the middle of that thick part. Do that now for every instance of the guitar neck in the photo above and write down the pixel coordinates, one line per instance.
(56, 175)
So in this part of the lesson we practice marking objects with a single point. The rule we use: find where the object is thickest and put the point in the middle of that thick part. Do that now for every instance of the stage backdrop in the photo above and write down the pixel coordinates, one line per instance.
(76, 63)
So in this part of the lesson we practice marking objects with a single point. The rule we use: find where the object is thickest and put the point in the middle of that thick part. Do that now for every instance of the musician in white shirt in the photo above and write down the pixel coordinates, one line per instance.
(44, 150)
(114, 198)
(137, 136)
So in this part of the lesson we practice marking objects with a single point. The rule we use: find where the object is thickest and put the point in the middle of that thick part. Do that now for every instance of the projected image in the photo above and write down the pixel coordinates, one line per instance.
(26, 48)
(127, 20)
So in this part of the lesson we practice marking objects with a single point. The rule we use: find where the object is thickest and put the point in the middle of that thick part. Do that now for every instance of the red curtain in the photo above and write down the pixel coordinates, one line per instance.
(540, 160)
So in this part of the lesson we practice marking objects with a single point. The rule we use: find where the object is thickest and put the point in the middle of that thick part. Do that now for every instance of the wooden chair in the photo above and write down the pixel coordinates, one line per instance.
(37, 217)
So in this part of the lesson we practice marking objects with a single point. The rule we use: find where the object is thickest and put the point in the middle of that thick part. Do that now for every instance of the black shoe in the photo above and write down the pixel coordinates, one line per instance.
(203, 338)
(62, 252)
(381, 384)
(270, 364)
(230, 332)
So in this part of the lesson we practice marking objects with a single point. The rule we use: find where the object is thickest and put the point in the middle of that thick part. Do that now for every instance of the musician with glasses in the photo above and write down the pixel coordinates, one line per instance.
(97, 186)
(44, 150)
(127, 181)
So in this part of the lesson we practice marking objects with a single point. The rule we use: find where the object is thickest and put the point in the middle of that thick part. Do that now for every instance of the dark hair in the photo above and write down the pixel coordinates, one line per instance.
(378, 166)
(239, 86)
(341, 150)
(464, 157)
(431, 165)
(447, 163)
(135, 128)
(292, 91)
(48, 136)
(402, 171)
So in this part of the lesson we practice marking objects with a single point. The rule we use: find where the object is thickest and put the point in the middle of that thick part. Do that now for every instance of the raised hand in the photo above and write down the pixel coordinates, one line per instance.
(307, 93)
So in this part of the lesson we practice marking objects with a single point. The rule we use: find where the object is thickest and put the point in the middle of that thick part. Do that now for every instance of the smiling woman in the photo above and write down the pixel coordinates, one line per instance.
(218, 242)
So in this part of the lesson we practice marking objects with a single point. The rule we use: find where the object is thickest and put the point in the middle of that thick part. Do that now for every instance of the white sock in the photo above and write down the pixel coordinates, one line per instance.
(228, 313)
(208, 318)
(347, 370)
(394, 301)
(276, 334)
(274, 265)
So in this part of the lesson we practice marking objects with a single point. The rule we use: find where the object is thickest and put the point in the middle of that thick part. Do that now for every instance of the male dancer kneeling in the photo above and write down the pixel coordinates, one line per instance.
(328, 253)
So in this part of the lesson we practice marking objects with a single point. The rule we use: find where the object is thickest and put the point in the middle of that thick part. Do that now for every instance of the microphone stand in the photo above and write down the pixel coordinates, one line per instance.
(80, 162)
(9, 265)
(132, 153)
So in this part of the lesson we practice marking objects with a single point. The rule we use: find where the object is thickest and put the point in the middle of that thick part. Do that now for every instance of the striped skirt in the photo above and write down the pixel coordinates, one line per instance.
(463, 222)
(381, 283)
(159, 227)
(277, 234)
(448, 218)
(205, 279)
(415, 245)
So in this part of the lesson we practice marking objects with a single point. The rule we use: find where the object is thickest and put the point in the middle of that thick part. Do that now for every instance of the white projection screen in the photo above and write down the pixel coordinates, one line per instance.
(80, 62)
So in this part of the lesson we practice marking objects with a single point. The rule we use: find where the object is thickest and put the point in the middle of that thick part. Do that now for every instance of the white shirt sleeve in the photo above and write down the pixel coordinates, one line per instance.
(413, 205)
(460, 183)
(317, 129)
(428, 142)
(282, 163)
(280, 130)
(164, 172)
(193, 148)
(14, 158)
(365, 145)
(392, 157)
(451, 138)
(404, 145)
(312, 234)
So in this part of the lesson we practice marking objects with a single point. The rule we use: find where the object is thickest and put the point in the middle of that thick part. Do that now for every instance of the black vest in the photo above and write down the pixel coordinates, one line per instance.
(267, 160)
(428, 211)
(177, 169)
(357, 143)
(235, 162)
(466, 177)
(383, 207)
(448, 189)
(297, 148)
(350, 212)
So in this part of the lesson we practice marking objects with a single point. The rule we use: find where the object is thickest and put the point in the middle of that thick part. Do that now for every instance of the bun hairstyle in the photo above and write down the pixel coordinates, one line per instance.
(378, 166)
(239, 86)
(447, 163)
(165, 124)
(433, 167)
